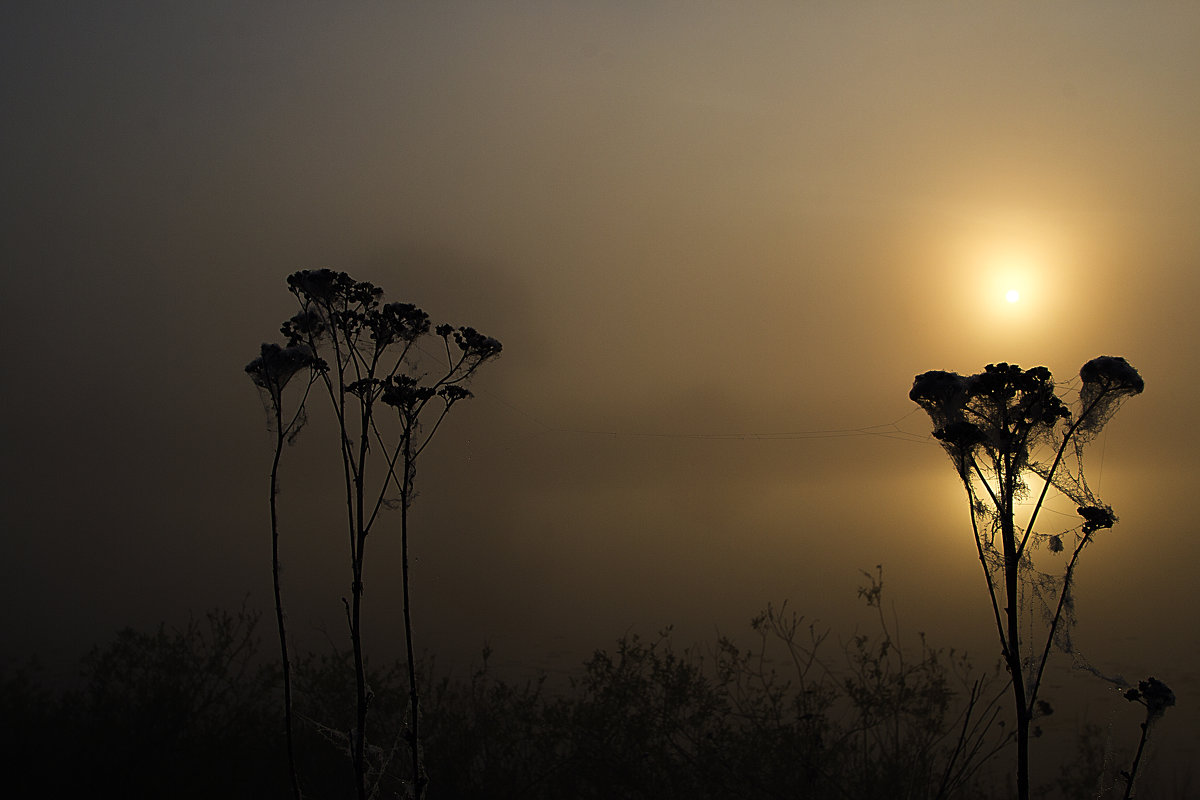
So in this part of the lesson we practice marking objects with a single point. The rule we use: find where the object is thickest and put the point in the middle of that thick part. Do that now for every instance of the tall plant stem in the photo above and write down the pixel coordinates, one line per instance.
(414, 732)
(1049, 477)
(1131, 776)
(987, 574)
(360, 683)
(1012, 614)
(279, 621)
(1068, 579)
(356, 589)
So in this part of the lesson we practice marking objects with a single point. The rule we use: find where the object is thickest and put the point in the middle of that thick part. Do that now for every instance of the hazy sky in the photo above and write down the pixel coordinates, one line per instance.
(695, 228)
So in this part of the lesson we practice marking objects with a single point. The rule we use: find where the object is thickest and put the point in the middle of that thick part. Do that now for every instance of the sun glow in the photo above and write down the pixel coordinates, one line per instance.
(1008, 270)
(1012, 278)
(1012, 281)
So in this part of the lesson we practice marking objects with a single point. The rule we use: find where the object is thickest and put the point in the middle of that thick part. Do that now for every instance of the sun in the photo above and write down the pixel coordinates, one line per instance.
(1012, 295)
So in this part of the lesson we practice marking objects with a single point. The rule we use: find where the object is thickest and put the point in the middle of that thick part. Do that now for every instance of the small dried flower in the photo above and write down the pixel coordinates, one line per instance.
(1112, 373)
(1096, 517)
(276, 365)
(406, 394)
(303, 326)
(397, 322)
(1155, 695)
(453, 393)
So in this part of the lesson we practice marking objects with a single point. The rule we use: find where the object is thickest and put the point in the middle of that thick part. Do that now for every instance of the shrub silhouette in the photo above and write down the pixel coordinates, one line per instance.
(789, 717)
(194, 712)
(184, 712)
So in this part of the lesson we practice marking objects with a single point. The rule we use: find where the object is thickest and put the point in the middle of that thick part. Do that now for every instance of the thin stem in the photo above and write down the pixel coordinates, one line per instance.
(360, 679)
(433, 430)
(1131, 775)
(1062, 448)
(418, 777)
(1013, 652)
(279, 618)
(987, 573)
(337, 398)
(1062, 598)
(391, 472)
(986, 485)
(352, 477)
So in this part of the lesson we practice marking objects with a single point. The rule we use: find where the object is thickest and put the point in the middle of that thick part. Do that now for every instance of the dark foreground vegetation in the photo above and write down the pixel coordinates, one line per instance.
(785, 718)
(799, 713)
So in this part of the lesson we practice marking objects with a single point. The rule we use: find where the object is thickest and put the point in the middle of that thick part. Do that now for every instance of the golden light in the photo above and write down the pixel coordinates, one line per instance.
(1008, 268)
(1012, 281)
(1009, 284)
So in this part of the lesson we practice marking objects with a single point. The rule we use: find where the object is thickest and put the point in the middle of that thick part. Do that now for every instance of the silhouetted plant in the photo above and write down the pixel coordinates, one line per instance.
(494, 738)
(1157, 697)
(880, 723)
(1085, 775)
(995, 426)
(193, 713)
(157, 711)
(326, 701)
(646, 719)
(271, 372)
(785, 718)
(924, 744)
(373, 356)
(31, 732)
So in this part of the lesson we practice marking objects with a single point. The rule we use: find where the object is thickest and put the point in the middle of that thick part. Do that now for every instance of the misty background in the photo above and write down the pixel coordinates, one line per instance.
(717, 244)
